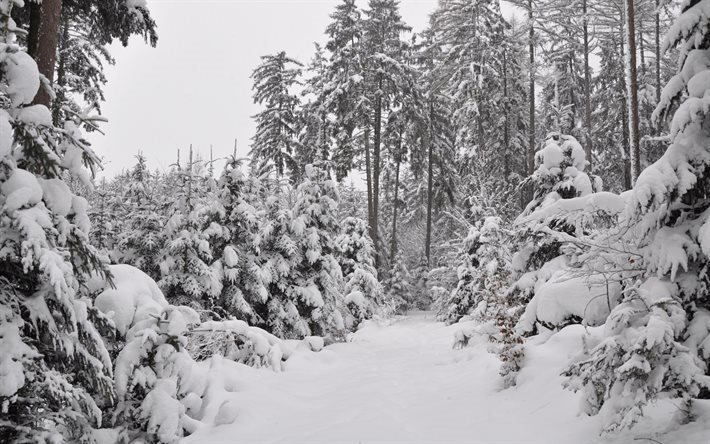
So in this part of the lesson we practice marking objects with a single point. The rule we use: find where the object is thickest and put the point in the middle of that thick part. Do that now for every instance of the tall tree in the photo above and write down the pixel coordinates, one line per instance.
(276, 126)
(382, 39)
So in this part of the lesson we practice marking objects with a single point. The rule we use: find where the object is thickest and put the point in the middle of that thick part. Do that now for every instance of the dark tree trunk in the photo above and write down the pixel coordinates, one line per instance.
(632, 87)
(658, 59)
(368, 177)
(430, 185)
(61, 73)
(45, 22)
(624, 115)
(506, 117)
(587, 89)
(376, 171)
(393, 246)
(531, 129)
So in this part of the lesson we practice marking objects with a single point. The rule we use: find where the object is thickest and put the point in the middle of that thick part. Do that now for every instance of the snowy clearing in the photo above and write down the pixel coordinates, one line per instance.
(403, 382)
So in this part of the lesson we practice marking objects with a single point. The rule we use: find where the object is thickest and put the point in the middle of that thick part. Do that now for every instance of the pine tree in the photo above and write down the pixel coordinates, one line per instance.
(56, 370)
(187, 265)
(244, 294)
(276, 125)
(317, 275)
(343, 87)
(141, 239)
(652, 345)
(356, 256)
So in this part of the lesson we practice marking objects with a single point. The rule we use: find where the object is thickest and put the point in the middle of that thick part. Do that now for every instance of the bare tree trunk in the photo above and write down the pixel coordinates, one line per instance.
(587, 89)
(658, 59)
(531, 129)
(368, 177)
(625, 118)
(376, 171)
(430, 185)
(506, 117)
(45, 22)
(632, 88)
(393, 246)
(61, 73)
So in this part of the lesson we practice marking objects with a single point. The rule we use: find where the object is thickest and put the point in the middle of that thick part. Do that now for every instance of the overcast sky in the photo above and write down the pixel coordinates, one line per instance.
(194, 87)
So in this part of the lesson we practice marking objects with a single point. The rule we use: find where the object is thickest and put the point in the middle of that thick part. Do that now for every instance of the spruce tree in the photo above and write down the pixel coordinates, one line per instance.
(56, 370)
(653, 344)
(276, 126)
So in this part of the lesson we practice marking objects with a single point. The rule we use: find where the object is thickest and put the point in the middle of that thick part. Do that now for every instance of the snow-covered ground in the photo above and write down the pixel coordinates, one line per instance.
(403, 382)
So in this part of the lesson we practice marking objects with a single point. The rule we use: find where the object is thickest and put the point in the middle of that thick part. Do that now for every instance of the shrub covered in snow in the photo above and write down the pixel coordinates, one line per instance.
(356, 255)
(317, 275)
(483, 270)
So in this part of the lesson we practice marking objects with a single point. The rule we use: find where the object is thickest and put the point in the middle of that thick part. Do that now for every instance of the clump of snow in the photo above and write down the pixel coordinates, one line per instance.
(38, 115)
(57, 196)
(22, 77)
(568, 295)
(21, 189)
(135, 298)
(5, 134)
(13, 351)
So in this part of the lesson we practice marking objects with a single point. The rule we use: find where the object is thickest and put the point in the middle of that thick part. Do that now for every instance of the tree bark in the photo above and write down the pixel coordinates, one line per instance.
(531, 129)
(625, 118)
(632, 89)
(393, 245)
(587, 89)
(430, 185)
(658, 59)
(45, 22)
(506, 117)
(368, 180)
(376, 170)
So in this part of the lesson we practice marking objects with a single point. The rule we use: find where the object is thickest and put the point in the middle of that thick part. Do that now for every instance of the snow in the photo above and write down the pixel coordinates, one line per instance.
(22, 78)
(13, 351)
(37, 115)
(5, 134)
(135, 298)
(402, 381)
(57, 196)
(21, 189)
(566, 295)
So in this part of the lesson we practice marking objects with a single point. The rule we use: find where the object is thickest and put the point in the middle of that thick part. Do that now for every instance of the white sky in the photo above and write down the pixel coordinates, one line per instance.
(194, 87)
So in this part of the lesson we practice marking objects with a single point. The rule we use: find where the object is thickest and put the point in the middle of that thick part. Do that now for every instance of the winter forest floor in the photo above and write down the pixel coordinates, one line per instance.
(401, 381)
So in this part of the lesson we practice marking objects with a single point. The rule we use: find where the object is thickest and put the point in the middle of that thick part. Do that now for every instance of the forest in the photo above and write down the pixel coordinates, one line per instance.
(517, 201)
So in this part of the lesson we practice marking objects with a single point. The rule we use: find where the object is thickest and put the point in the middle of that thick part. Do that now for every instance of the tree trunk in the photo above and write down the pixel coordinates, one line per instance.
(61, 73)
(531, 129)
(625, 118)
(45, 22)
(430, 185)
(632, 88)
(393, 246)
(376, 170)
(368, 177)
(658, 59)
(506, 117)
(587, 89)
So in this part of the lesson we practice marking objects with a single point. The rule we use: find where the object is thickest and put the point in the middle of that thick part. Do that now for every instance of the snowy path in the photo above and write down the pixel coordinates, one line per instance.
(400, 383)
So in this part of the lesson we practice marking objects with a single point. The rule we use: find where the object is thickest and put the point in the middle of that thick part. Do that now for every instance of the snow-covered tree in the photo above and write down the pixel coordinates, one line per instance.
(244, 294)
(141, 238)
(188, 272)
(656, 340)
(398, 285)
(355, 253)
(55, 370)
(483, 273)
(317, 274)
(276, 125)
